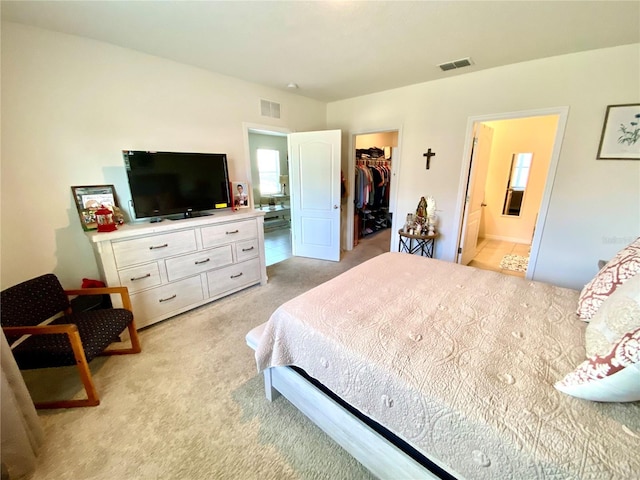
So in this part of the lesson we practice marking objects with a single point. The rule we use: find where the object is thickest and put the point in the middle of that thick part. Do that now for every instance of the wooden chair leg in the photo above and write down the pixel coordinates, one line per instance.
(135, 343)
(135, 340)
(85, 375)
(83, 366)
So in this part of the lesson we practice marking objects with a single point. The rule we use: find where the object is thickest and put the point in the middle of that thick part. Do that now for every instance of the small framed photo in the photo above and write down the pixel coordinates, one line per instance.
(620, 139)
(240, 193)
(89, 199)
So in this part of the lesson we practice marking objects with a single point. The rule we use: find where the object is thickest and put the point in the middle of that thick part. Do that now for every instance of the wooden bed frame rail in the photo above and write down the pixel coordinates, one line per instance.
(378, 454)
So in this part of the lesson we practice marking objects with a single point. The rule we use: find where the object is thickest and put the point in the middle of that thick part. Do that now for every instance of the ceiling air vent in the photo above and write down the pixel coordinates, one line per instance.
(269, 109)
(463, 62)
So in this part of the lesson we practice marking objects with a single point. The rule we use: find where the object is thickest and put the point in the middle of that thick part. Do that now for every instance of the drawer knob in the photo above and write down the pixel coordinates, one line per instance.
(133, 279)
(167, 299)
(153, 247)
(200, 262)
(247, 249)
(236, 276)
(235, 231)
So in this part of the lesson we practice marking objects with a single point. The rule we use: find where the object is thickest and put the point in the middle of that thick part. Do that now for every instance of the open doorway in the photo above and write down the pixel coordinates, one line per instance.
(373, 163)
(309, 205)
(510, 171)
(269, 179)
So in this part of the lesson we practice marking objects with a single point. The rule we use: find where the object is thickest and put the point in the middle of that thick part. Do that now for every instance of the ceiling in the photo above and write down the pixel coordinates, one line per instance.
(340, 49)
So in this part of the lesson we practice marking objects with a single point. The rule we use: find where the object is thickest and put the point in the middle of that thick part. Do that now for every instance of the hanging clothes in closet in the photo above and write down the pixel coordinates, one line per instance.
(371, 195)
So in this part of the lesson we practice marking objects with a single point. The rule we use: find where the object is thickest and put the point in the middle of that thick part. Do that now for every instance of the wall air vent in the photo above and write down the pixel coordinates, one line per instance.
(447, 66)
(463, 62)
(269, 109)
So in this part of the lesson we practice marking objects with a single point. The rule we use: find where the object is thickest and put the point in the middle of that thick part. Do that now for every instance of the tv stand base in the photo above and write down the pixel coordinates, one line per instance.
(172, 267)
(186, 215)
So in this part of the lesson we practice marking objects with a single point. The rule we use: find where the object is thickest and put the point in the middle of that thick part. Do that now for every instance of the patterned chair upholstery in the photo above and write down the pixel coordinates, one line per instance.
(71, 338)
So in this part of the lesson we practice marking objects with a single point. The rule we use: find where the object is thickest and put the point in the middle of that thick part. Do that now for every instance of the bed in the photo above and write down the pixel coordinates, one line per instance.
(422, 368)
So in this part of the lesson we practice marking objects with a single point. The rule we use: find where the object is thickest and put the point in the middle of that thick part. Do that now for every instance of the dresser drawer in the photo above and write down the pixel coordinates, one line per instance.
(229, 232)
(233, 277)
(154, 247)
(140, 277)
(247, 249)
(161, 301)
(194, 263)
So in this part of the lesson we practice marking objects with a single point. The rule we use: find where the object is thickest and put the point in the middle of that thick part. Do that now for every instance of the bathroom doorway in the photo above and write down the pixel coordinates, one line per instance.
(488, 226)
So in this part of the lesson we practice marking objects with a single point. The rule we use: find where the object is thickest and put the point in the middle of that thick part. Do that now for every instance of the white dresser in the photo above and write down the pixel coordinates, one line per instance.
(176, 265)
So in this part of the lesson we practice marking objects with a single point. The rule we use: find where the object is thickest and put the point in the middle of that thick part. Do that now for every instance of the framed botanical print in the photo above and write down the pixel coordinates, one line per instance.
(620, 139)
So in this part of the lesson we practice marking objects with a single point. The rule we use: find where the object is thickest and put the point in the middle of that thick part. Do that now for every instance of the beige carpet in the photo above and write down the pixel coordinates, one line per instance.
(191, 405)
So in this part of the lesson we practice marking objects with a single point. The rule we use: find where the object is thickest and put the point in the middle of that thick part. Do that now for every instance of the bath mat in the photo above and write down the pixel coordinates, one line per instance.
(517, 263)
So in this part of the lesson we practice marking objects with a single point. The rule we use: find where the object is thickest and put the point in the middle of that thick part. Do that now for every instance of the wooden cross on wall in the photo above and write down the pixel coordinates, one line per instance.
(429, 154)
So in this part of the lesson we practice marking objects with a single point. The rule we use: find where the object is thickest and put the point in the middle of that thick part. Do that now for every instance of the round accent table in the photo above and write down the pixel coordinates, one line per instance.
(412, 243)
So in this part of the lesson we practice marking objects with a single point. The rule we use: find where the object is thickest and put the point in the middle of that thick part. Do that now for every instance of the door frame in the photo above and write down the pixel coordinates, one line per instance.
(351, 179)
(562, 113)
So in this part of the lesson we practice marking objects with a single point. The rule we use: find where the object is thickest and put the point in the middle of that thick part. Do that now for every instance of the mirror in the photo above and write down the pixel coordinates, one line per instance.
(517, 183)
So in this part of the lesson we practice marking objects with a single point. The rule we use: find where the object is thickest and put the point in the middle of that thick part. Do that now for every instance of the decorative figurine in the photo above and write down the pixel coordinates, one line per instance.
(421, 211)
(105, 220)
(431, 206)
(432, 218)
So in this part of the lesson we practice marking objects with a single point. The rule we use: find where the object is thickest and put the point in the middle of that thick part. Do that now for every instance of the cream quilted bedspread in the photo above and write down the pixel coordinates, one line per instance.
(460, 363)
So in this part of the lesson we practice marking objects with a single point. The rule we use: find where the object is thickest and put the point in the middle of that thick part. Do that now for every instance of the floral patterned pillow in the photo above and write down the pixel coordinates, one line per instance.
(613, 377)
(620, 268)
(619, 314)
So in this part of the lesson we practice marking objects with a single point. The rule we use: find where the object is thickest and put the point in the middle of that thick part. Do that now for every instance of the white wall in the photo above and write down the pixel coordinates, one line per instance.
(71, 105)
(594, 208)
(380, 140)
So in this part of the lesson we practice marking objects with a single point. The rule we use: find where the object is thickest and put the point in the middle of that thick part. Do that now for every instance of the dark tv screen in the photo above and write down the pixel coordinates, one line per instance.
(170, 183)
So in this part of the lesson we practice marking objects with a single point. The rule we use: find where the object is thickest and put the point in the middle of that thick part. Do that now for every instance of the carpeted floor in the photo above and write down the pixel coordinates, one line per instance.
(192, 405)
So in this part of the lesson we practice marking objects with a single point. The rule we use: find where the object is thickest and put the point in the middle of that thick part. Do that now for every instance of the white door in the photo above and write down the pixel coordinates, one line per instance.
(314, 163)
(475, 193)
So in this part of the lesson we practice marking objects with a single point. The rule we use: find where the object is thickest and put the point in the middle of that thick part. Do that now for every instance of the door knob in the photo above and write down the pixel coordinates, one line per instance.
(335, 207)
(483, 204)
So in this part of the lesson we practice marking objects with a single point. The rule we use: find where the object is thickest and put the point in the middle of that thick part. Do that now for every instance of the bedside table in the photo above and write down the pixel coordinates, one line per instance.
(412, 243)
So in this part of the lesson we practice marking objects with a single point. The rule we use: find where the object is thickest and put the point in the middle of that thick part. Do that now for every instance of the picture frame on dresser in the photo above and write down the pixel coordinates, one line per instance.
(240, 193)
(88, 200)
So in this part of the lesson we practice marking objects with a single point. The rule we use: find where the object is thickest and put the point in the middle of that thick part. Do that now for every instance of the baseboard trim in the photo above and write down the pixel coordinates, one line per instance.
(525, 241)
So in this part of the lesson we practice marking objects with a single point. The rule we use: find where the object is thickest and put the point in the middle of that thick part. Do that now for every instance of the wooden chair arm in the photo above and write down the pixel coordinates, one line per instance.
(122, 291)
(67, 328)
(75, 343)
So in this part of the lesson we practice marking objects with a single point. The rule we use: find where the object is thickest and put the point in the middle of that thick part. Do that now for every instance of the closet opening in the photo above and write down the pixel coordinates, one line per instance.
(372, 186)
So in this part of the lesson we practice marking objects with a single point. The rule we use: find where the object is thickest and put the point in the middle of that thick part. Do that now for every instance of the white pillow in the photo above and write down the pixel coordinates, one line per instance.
(618, 314)
(614, 377)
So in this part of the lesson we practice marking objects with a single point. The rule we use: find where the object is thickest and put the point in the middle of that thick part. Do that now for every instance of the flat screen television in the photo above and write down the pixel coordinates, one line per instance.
(174, 183)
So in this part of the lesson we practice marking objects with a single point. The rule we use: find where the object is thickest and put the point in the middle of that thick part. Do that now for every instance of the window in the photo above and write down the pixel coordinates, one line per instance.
(269, 171)
(520, 170)
(517, 183)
